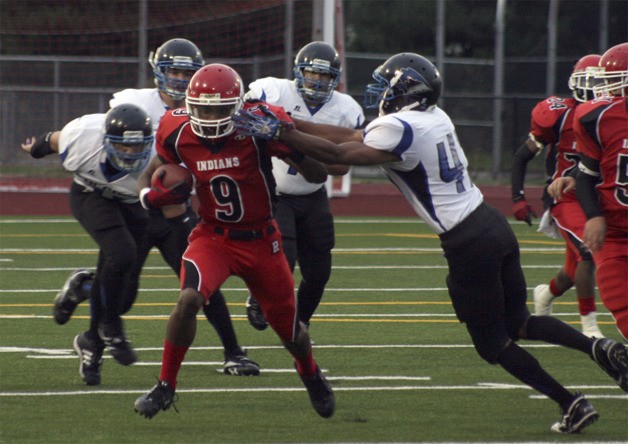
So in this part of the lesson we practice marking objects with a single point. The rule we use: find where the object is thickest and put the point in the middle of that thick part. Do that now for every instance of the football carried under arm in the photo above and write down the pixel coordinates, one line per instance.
(170, 184)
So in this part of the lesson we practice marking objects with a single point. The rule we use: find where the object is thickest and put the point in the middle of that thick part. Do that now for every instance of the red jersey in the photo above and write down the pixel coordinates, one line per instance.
(551, 123)
(233, 177)
(601, 128)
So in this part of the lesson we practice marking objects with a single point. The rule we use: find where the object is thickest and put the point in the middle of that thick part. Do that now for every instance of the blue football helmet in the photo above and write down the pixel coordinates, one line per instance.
(405, 81)
(179, 54)
(128, 137)
(322, 58)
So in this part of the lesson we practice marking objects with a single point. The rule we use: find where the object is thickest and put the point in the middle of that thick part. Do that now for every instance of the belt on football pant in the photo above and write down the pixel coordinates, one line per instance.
(244, 235)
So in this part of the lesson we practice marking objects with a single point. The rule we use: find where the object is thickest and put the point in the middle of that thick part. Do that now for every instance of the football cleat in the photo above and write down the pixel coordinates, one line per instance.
(579, 415)
(70, 296)
(612, 357)
(543, 298)
(115, 340)
(589, 325)
(160, 397)
(320, 392)
(90, 358)
(240, 365)
(255, 315)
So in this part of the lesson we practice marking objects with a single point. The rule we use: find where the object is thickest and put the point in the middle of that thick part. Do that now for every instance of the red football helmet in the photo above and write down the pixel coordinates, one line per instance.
(614, 71)
(582, 79)
(213, 96)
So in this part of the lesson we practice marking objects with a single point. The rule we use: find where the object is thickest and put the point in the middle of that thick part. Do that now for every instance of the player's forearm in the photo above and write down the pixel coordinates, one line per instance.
(333, 133)
(587, 195)
(315, 147)
(518, 171)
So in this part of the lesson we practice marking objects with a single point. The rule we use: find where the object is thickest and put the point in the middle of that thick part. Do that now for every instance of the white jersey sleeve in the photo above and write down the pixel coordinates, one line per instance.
(432, 174)
(341, 110)
(82, 151)
(147, 98)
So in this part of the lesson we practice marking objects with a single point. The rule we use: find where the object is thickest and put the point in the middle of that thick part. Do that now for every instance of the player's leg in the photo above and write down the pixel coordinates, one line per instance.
(612, 278)
(115, 227)
(269, 279)
(286, 220)
(205, 267)
(579, 264)
(315, 240)
(488, 291)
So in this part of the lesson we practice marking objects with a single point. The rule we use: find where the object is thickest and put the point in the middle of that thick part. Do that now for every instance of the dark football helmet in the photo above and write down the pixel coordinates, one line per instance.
(179, 54)
(406, 81)
(128, 137)
(613, 72)
(213, 96)
(322, 58)
(582, 79)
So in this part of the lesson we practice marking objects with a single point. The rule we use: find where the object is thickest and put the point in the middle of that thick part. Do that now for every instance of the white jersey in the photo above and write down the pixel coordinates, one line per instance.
(341, 110)
(82, 152)
(432, 173)
(148, 98)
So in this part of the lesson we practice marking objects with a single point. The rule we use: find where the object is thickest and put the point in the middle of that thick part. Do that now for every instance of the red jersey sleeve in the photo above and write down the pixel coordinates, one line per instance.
(545, 118)
(169, 126)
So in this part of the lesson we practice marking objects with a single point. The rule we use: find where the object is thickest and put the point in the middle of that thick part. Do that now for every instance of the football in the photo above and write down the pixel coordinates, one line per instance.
(174, 175)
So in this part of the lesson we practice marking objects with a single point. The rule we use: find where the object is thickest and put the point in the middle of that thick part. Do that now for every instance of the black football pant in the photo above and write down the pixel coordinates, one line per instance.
(307, 232)
(118, 229)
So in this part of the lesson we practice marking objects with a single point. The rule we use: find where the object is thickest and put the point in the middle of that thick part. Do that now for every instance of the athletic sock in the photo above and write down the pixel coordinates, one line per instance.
(586, 305)
(554, 289)
(523, 366)
(171, 360)
(554, 331)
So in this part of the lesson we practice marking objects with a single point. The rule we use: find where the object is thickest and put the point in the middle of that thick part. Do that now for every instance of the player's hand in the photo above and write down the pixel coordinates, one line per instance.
(594, 233)
(158, 195)
(261, 123)
(523, 211)
(561, 186)
(28, 144)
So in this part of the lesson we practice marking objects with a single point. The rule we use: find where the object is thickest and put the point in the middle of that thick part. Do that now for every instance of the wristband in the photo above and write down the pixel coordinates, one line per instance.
(42, 147)
(143, 193)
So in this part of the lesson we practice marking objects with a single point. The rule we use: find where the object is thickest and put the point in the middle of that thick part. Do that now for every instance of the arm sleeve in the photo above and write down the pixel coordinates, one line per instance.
(585, 188)
(518, 172)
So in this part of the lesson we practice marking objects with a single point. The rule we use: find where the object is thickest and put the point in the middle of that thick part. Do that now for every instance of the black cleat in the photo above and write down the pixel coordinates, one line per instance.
(255, 315)
(70, 296)
(115, 340)
(320, 392)
(579, 415)
(612, 357)
(160, 397)
(240, 364)
(90, 356)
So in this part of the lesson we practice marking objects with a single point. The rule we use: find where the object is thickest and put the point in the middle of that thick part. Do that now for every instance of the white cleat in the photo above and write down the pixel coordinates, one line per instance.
(543, 298)
(589, 326)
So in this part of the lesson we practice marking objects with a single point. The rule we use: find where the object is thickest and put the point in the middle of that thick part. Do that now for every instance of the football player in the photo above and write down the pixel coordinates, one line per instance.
(174, 63)
(415, 143)
(237, 234)
(106, 153)
(601, 128)
(302, 209)
(552, 128)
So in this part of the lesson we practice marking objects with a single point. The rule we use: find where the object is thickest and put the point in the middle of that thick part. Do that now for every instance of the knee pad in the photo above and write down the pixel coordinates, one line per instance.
(488, 341)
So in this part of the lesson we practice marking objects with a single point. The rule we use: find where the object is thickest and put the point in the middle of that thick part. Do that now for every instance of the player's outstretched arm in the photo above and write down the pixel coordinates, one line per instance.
(45, 144)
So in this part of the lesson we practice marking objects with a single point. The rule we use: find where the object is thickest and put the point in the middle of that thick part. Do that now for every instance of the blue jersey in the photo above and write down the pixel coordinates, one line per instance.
(432, 173)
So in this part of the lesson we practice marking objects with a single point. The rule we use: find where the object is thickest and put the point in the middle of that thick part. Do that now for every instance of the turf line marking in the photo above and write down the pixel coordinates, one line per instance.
(300, 389)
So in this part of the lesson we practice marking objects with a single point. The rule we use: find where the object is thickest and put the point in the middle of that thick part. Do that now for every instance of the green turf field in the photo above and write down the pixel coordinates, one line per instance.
(402, 367)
